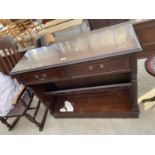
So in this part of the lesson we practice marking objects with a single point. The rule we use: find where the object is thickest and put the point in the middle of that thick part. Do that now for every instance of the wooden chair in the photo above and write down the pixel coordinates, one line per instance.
(23, 38)
(5, 22)
(8, 59)
(150, 68)
(5, 32)
(31, 28)
(29, 25)
(12, 31)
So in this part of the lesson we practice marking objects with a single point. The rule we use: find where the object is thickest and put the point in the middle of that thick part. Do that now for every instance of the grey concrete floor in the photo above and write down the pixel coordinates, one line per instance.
(145, 124)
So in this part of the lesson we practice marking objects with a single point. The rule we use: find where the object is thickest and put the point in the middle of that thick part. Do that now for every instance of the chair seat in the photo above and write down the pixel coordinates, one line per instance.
(150, 65)
(18, 110)
(15, 99)
(19, 107)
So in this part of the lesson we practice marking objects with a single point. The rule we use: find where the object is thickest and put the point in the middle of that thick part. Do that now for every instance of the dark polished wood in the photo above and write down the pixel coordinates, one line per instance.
(99, 67)
(97, 102)
(42, 76)
(150, 65)
(145, 31)
(8, 54)
(100, 23)
(144, 28)
(150, 68)
(99, 44)
(93, 68)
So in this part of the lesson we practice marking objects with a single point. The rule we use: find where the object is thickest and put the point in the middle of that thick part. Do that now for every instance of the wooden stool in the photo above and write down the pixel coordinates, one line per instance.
(150, 68)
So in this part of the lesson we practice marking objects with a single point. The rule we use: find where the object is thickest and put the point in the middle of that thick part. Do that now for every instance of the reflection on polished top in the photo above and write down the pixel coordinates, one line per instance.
(106, 42)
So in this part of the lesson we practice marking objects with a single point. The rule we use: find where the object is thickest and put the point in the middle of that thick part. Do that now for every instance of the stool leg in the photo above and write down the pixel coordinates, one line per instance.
(32, 119)
(37, 109)
(4, 121)
(43, 120)
(14, 123)
(148, 100)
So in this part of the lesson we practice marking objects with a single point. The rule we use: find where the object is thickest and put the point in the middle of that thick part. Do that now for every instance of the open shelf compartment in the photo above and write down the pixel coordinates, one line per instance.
(103, 101)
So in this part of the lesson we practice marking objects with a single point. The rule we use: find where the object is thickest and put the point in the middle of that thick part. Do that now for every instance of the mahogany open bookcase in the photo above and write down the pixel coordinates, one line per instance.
(95, 71)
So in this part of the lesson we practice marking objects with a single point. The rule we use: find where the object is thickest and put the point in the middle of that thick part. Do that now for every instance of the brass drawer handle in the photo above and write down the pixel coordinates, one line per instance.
(36, 76)
(42, 79)
(44, 75)
(90, 67)
(101, 66)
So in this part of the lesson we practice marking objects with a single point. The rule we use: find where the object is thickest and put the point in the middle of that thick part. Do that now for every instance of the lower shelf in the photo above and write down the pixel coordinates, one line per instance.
(111, 102)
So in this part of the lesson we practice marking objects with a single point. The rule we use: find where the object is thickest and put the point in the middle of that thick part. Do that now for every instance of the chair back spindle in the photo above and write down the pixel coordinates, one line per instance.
(8, 54)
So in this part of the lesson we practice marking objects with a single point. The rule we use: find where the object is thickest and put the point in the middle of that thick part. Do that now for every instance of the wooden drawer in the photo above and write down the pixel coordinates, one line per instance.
(42, 76)
(99, 67)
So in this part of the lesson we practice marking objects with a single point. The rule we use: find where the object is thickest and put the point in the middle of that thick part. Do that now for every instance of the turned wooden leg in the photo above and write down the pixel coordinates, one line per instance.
(43, 120)
(41, 123)
(10, 126)
(29, 104)
(31, 119)
(14, 123)
(4, 121)
(37, 109)
(148, 100)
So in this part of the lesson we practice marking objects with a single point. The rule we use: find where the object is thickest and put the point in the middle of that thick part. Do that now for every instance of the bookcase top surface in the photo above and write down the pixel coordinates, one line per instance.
(103, 43)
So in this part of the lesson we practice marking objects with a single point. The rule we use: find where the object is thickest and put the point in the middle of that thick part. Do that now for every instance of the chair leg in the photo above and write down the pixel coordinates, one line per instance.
(31, 100)
(148, 100)
(37, 109)
(14, 123)
(33, 118)
(29, 104)
(10, 126)
(4, 121)
(43, 120)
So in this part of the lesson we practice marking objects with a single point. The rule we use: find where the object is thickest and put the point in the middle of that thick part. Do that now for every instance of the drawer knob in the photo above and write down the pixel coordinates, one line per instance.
(36, 76)
(101, 66)
(90, 67)
(42, 79)
(44, 75)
